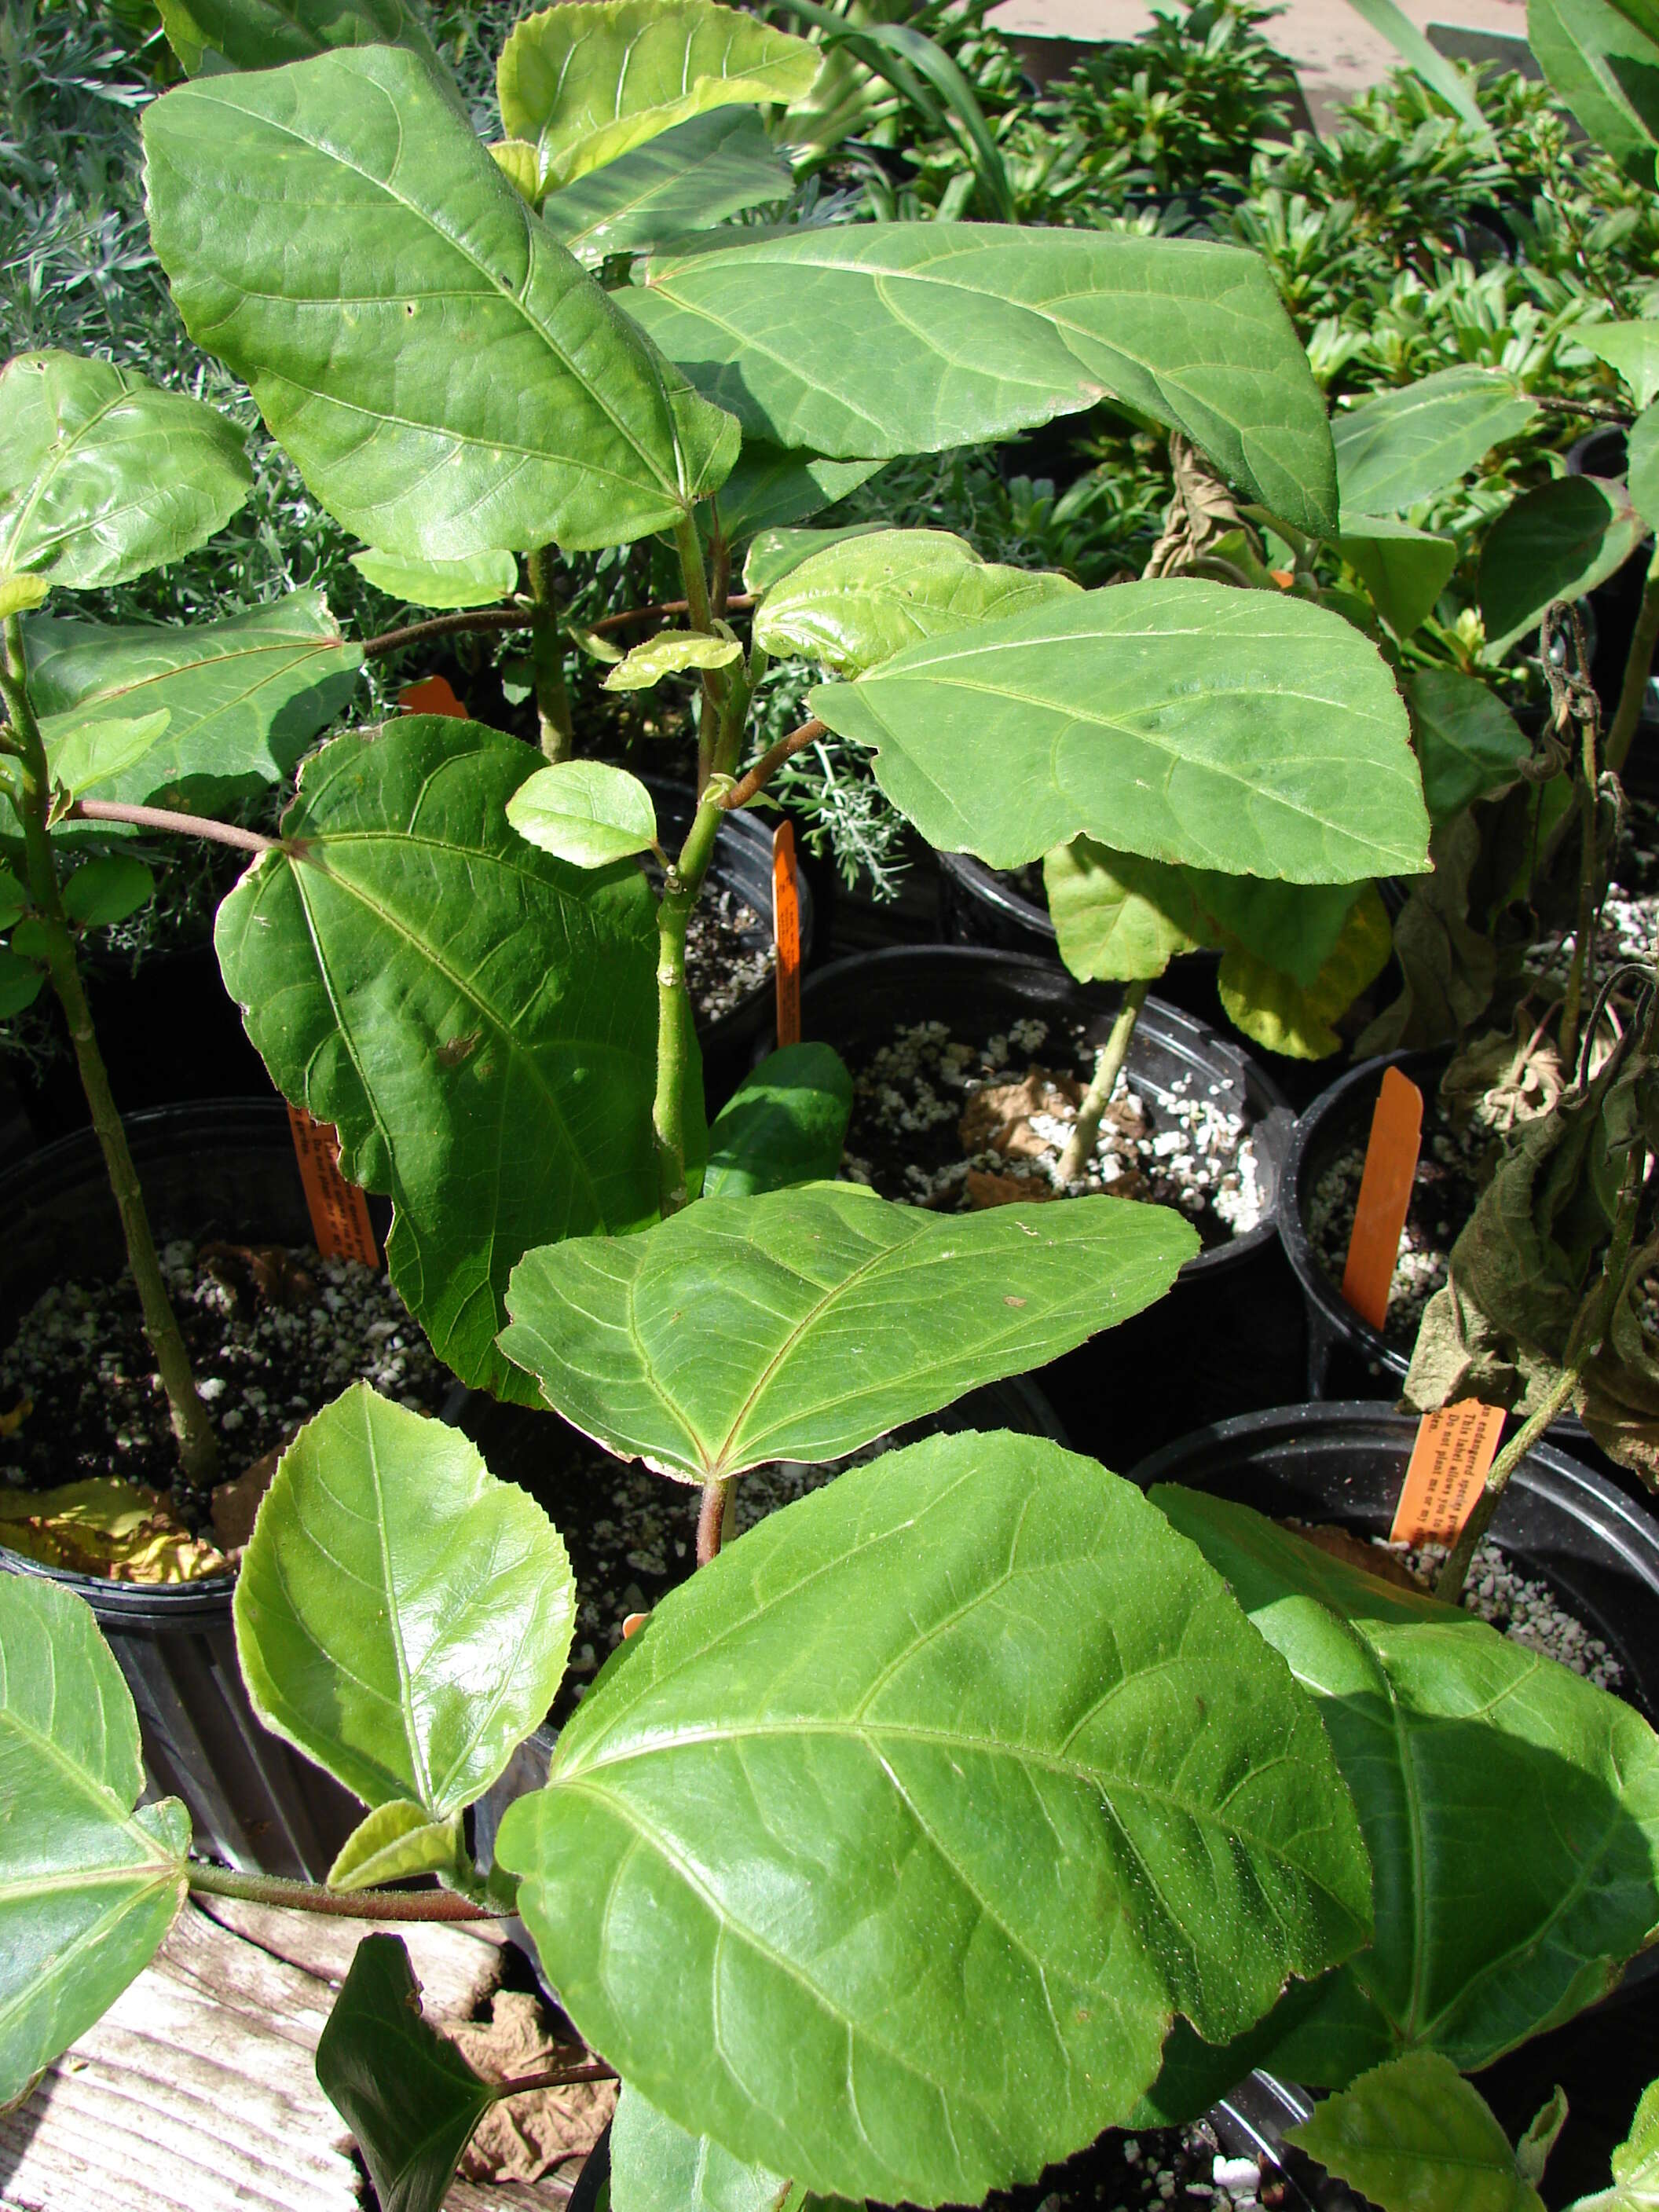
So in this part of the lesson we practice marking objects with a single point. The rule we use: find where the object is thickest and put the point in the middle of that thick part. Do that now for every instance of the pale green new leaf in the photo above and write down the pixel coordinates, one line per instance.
(963, 1754)
(421, 978)
(88, 1888)
(1642, 465)
(1401, 446)
(479, 580)
(801, 1323)
(19, 594)
(1299, 1018)
(1246, 731)
(656, 2167)
(591, 80)
(94, 759)
(1631, 347)
(691, 178)
(1635, 2165)
(856, 603)
(1405, 570)
(396, 1840)
(1446, 1731)
(970, 331)
(775, 553)
(1601, 57)
(1413, 2136)
(448, 379)
(103, 476)
(401, 1615)
(1558, 541)
(1469, 744)
(670, 653)
(214, 36)
(402, 2088)
(784, 1124)
(585, 811)
(242, 699)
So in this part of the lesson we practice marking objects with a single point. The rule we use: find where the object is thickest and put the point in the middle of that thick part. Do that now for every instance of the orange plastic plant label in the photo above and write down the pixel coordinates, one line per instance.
(339, 1211)
(1454, 1449)
(786, 931)
(434, 694)
(1385, 1193)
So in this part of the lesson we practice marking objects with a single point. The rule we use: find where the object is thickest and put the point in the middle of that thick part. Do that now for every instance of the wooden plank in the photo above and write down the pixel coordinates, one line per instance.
(456, 1965)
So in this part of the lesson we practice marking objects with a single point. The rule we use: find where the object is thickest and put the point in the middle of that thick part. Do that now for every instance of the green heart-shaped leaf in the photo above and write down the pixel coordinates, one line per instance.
(449, 381)
(1401, 446)
(1239, 731)
(860, 600)
(591, 80)
(801, 1323)
(401, 1616)
(88, 1888)
(417, 975)
(1556, 542)
(1405, 570)
(691, 178)
(1447, 1731)
(243, 697)
(406, 2092)
(397, 1840)
(479, 580)
(970, 331)
(1414, 2137)
(103, 476)
(1601, 57)
(784, 1124)
(257, 34)
(585, 811)
(964, 1751)
(1469, 744)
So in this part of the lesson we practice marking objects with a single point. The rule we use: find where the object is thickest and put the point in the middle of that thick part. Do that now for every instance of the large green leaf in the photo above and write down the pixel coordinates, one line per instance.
(1635, 2165)
(243, 697)
(886, 1852)
(1414, 2136)
(103, 476)
(401, 1616)
(1245, 732)
(801, 1323)
(1631, 347)
(1511, 1809)
(1405, 570)
(477, 1018)
(859, 601)
(591, 80)
(406, 2092)
(656, 2167)
(1556, 542)
(1469, 744)
(969, 331)
(449, 381)
(213, 35)
(479, 580)
(783, 1125)
(691, 178)
(1601, 57)
(1401, 446)
(88, 1888)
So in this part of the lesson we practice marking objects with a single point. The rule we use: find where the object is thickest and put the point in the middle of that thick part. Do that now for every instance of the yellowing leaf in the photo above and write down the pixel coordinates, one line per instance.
(104, 1527)
(1279, 1013)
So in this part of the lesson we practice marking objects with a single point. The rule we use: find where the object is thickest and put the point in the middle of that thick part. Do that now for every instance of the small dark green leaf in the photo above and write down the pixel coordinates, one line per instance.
(1405, 570)
(20, 982)
(965, 1752)
(14, 899)
(769, 488)
(801, 1323)
(1405, 445)
(401, 1616)
(1414, 2136)
(107, 889)
(405, 2091)
(103, 476)
(691, 178)
(1558, 542)
(88, 1888)
(784, 1124)
(1469, 744)
(1601, 57)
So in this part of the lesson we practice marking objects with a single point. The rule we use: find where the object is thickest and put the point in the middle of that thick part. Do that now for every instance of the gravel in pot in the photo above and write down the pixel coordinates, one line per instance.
(275, 1334)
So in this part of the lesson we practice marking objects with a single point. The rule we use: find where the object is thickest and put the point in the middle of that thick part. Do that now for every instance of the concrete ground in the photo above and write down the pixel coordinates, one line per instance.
(1335, 50)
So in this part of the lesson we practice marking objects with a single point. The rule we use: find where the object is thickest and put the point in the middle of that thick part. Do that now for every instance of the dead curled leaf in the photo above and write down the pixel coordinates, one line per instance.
(527, 2136)
(108, 1528)
(987, 1190)
(997, 1117)
(263, 1274)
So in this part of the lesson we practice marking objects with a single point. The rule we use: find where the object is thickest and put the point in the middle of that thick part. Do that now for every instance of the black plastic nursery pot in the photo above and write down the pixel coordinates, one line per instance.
(1229, 1336)
(226, 1167)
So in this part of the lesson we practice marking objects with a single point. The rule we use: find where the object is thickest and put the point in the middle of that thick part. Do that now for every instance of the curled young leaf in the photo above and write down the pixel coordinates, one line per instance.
(396, 1839)
(670, 653)
(585, 811)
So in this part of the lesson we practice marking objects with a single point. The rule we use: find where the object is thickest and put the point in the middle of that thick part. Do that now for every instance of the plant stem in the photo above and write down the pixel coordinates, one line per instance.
(555, 2078)
(677, 1043)
(198, 1448)
(1448, 1585)
(715, 1518)
(162, 817)
(772, 760)
(701, 617)
(470, 619)
(1108, 1065)
(1581, 975)
(343, 1904)
(1638, 668)
(1598, 410)
(547, 655)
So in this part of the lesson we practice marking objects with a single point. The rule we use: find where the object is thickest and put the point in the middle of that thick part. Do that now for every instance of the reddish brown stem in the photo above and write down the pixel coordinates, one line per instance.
(771, 761)
(712, 1518)
(470, 618)
(162, 817)
(555, 2078)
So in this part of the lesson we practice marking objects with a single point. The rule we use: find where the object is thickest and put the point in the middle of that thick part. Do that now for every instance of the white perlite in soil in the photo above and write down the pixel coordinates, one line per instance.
(1185, 1147)
(727, 958)
(1526, 1612)
(265, 1361)
(1181, 2166)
